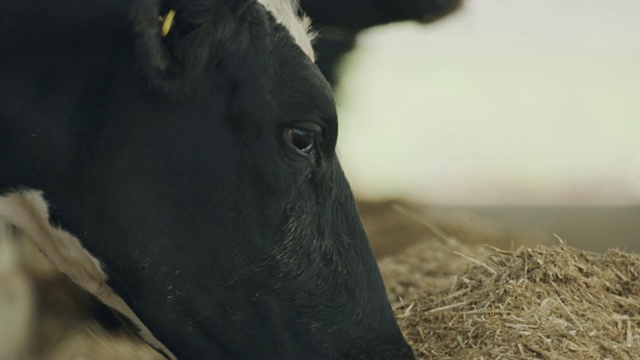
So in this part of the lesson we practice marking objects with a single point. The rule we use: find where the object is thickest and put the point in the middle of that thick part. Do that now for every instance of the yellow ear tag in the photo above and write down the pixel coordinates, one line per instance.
(167, 22)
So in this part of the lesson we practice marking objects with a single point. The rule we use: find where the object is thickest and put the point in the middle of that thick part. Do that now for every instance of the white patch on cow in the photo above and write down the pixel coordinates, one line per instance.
(28, 211)
(17, 298)
(285, 12)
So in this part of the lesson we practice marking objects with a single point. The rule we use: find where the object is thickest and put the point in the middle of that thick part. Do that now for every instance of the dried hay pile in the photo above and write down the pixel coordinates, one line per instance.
(453, 300)
(470, 302)
(457, 301)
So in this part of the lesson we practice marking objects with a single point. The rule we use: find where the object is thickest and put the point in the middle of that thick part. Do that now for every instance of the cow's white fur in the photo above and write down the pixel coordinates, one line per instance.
(285, 12)
(17, 298)
(28, 211)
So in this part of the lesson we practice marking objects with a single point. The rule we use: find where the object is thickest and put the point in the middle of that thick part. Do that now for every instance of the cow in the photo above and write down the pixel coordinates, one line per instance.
(338, 23)
(176, 159)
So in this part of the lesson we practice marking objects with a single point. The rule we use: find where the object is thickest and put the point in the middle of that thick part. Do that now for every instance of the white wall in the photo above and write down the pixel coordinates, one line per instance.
(507, 102)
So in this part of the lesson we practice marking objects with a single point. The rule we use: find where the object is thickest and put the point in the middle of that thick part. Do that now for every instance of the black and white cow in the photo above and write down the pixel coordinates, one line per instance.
(338, 23)
(177, 160)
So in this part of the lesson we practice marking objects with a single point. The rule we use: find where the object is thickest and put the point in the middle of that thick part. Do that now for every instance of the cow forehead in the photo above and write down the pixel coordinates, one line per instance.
(285, 12)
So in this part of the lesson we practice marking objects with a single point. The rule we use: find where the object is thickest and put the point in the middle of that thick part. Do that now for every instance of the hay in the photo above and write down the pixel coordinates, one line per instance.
(453, 300)
(462, 302)
(457, 301)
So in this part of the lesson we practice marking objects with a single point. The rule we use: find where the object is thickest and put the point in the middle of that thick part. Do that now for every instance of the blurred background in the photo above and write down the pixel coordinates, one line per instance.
(524, 114)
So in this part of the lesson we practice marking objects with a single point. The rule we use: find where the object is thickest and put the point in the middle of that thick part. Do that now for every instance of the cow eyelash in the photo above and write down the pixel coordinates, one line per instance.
(304, 139)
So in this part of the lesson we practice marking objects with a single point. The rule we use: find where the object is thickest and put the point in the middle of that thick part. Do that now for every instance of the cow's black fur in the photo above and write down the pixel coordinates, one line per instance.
(168, 158)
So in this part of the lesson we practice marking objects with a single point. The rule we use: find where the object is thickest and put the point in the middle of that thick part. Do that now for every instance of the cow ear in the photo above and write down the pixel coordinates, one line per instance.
(175, 40)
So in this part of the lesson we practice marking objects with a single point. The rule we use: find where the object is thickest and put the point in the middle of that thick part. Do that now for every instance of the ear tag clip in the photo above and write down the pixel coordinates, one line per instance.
(167, 22)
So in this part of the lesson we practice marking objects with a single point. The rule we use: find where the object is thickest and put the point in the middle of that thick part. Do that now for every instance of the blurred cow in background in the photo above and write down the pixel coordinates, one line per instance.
(338, 23)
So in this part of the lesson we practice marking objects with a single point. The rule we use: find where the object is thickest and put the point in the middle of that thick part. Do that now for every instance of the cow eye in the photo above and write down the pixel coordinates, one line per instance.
(302, 139)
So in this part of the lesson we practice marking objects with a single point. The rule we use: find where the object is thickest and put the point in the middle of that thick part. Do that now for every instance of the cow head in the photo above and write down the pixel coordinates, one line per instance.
(242, 235)
(189, 146)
